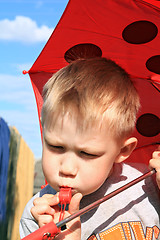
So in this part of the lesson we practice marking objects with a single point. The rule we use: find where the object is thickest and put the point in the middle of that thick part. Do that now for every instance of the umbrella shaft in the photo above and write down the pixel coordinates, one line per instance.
(103, 199)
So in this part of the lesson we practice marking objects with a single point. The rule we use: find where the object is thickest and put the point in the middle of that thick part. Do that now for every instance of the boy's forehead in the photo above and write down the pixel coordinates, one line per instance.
(62, 120)
(72, 119)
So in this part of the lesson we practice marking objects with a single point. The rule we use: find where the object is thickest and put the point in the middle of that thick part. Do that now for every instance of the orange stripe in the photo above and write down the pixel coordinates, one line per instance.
(114, 233)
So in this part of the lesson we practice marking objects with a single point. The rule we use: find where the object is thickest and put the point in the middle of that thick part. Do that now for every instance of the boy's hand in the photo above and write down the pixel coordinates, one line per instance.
(46, 210)
(155, 163)
(43, 210)
(73, 231)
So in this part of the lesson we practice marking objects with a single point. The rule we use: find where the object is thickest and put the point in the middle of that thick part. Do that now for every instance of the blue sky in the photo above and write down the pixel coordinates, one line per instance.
(25, 26)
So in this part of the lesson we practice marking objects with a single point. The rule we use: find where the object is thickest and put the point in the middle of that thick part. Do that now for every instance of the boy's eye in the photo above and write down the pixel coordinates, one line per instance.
(89, 155)
(56, 148)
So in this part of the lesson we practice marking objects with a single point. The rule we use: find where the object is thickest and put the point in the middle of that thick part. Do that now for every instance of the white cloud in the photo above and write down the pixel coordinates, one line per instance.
(23, 29)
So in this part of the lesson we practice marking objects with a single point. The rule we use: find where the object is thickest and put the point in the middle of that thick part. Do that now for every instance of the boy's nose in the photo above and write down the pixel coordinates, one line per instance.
(68, 166)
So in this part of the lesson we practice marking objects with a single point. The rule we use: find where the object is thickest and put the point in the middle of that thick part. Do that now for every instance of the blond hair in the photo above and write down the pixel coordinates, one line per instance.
(98, 90)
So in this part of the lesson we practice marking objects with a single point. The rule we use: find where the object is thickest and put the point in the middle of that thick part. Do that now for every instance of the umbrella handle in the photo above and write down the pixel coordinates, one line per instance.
(49, 231)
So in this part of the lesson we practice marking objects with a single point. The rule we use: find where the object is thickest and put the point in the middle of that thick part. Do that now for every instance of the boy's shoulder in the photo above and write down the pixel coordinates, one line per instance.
(131, 171)
(136, 169)
(124, 173)
(128, 171)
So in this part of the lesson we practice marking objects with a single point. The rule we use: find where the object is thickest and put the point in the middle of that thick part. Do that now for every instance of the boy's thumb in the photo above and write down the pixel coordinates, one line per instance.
(75, 202)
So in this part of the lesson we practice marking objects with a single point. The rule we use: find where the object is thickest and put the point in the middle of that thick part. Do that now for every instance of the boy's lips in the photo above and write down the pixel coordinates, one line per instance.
(73, 190)
(65, 186)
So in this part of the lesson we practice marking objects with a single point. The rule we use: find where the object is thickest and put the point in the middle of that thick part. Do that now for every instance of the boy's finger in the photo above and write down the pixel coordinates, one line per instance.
(155, 163)
(41, 209)
(50, 195)
(156, 154)
(44, 219)
(74, 204)
(49, 199)
(53, 199)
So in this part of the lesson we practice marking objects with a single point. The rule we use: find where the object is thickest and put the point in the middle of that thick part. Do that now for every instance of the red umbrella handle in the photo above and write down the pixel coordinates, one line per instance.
(49, 231)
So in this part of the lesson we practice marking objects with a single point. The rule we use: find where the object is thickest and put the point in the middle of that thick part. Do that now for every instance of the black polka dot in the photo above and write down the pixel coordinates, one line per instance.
(140, 32)
(82, 51)
(153, 64)
(148, 125)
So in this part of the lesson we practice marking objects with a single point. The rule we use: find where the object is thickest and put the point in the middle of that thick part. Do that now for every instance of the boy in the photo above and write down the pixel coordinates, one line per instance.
(88, 116)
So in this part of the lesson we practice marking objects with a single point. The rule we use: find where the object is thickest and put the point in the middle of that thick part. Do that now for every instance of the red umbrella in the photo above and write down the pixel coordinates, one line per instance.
(125, 31)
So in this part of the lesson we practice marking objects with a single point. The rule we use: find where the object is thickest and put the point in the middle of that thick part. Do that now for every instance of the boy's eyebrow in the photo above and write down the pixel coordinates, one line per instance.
(81, 148)
(52, 142)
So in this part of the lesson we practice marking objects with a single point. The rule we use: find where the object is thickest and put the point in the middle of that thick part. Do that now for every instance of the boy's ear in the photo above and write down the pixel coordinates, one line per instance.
(126, 150)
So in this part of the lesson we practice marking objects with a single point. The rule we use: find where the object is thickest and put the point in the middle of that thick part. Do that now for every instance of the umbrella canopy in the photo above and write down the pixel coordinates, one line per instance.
(127, 31)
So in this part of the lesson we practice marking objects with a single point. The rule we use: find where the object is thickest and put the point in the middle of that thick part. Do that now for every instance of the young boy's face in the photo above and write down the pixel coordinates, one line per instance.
(81, 160)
